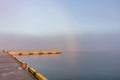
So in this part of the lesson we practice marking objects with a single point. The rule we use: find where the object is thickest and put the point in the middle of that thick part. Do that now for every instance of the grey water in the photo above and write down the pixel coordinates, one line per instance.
(82, 65)
(97, 57)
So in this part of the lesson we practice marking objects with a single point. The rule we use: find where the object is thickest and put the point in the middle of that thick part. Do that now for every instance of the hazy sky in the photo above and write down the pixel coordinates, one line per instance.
(59, 17)
(39, 17)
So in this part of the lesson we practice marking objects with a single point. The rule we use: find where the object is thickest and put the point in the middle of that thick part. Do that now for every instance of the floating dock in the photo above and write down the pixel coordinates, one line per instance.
(10, 69)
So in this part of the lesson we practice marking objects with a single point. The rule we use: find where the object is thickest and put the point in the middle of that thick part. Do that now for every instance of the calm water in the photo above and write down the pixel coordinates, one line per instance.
(87, 65)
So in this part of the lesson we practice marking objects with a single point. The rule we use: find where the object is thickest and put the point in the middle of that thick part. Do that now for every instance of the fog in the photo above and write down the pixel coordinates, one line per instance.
(86, 42)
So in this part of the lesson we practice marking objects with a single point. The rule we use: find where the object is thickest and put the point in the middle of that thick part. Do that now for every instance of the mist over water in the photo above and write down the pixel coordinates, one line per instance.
(86, 31)
(88, 42)
(27, 43)
(96, 57)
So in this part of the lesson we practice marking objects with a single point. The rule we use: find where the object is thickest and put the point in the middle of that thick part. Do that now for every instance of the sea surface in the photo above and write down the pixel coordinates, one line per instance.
(77, 65)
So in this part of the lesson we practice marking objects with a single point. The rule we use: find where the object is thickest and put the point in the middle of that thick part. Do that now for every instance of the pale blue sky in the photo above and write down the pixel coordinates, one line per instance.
(23, 23)
(45, 17)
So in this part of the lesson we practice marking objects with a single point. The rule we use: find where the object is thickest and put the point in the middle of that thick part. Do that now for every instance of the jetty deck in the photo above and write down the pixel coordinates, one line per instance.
(10, 69)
